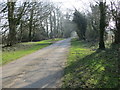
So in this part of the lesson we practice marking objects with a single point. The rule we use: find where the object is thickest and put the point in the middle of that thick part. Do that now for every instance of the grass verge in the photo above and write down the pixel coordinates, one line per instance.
(88, 68)
(19, 50)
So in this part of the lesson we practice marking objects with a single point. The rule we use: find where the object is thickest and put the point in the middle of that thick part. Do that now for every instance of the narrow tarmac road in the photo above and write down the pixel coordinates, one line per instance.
(42, 69)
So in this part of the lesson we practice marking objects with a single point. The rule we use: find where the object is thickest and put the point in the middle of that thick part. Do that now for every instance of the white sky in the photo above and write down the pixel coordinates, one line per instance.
(71, 4)
(81, 5)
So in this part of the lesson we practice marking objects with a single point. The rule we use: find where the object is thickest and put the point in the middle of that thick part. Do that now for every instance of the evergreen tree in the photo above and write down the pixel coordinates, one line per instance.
(81, 22)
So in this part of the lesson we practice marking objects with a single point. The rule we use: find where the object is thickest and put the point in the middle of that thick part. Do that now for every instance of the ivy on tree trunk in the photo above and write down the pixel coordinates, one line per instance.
(102, 25)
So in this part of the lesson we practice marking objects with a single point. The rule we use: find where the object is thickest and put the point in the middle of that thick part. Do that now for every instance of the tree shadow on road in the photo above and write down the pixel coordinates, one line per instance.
(46, 82)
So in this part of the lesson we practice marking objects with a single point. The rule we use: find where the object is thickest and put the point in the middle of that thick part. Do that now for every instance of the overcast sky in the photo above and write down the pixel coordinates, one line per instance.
(82, 5)
(71, 4)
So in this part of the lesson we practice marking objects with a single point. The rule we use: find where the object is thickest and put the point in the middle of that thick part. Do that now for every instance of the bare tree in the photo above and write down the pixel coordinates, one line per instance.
(13, 22)
(115, 10)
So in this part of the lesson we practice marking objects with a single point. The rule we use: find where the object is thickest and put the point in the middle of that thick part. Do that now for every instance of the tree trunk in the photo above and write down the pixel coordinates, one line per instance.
(51, 27)
(47, 28)
(102, 25)
(117, 33)
(12, 24)
(54, 21)
(30, 25)
(21, 31)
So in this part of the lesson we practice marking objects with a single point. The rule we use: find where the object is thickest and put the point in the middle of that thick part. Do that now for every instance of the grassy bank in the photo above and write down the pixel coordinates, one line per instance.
(87, 68)
(22, 49)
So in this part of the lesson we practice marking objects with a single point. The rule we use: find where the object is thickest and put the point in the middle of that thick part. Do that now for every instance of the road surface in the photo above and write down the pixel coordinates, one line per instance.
(42, 69)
